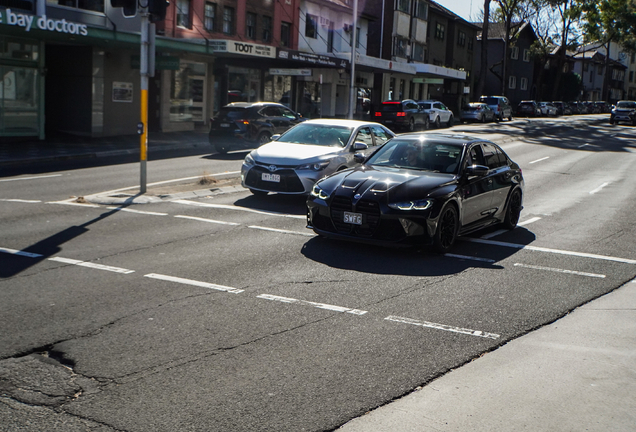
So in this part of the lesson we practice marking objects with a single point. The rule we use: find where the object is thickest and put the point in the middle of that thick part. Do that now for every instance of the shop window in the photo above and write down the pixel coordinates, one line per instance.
(210, 16)
(187, 93)
(19, 100)
(183, 14)
(92, 5)
(285, 34)
(228, 20)
(267, 29)
(311, 26)
(250, 25)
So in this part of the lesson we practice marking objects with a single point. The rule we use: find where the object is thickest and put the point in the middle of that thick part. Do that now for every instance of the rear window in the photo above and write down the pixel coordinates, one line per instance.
(490, 100)
(233, 113)
(391, 106)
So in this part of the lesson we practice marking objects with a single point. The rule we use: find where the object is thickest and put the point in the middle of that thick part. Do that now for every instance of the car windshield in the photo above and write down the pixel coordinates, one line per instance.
(418, 155)
(317, 134)
(626, 104)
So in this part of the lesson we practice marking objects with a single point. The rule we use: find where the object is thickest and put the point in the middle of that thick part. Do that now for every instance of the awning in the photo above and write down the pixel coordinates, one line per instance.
(373, 64)
(432, 71)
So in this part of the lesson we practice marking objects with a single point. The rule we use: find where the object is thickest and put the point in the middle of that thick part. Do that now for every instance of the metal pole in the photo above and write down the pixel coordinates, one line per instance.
(143, 125)
(353, 96)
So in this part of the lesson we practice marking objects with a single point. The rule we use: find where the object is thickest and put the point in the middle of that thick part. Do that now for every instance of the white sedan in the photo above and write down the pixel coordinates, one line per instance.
(548, 109)
(309, 151)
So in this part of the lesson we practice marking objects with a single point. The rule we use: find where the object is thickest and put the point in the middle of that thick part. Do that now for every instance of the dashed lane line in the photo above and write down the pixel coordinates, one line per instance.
(30, 178)
(206, 220)
(71, 203)
(558, 270)
(528, 221)
(236, 208)
(598, 189)
(313, 304)
(444, 327)
(548, 250)
(20, 200)
(488, 260)
(281, 231)
(194, 283)
(124, 209)
(91, 265)
(539, 160)
(19, 252)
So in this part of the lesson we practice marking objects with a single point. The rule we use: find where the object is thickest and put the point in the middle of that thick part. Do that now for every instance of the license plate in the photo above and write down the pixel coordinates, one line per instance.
(224, 125)
(271, 177)
(353, 218)
(388, 121)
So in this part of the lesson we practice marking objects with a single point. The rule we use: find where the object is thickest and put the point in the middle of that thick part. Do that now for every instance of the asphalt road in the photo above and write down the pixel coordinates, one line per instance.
(225, 313)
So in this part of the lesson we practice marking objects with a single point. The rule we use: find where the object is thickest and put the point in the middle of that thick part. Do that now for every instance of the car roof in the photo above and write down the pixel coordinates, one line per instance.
(445, 137)
(340, 122)
(428, 100)
(250, 104)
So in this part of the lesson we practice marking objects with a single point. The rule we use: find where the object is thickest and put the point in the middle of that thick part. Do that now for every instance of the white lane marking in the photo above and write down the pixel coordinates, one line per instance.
(165, 182)
(494, 234)
(74, 203)
(194, 283)
(20, 200)
(19, 252)
(91, 265)
(529, 221)
(539, 160)
(548, 250)
(560, 270)
(281, 231)
(30, 178)
(470, 258)
(137, 211)
(206, 220)
(443, 327)
(599, 188)
(231, 207)
(308, 303)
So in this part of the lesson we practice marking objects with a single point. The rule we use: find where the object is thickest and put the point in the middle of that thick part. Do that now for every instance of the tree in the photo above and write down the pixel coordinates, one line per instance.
(567, 15)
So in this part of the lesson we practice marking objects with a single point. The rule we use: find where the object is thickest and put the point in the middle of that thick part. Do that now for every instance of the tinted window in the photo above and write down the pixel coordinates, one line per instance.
(391, 106)
(381, 135)
(493, 157)
(233, 113)
(411, 105)
(364, 136)
(316, 134)
(286, 112)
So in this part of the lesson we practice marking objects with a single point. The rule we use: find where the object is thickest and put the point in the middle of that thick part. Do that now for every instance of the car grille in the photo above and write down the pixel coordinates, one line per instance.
(370, 211)
(289, 181)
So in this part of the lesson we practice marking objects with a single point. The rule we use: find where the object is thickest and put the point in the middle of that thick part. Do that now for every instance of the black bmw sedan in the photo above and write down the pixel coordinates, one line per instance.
(419, 189)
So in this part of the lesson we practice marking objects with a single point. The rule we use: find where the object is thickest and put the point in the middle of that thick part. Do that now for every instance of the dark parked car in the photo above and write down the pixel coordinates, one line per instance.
(624, 111)
(402, 115)
(252, 122)
(419, 188)
(528, 109)
(562, 108)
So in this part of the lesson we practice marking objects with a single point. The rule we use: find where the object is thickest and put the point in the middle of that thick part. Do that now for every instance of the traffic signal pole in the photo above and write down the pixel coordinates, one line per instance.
(143, 125)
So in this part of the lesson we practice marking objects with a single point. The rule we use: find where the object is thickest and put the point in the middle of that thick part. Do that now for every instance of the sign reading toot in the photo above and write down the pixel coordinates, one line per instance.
(43, 23)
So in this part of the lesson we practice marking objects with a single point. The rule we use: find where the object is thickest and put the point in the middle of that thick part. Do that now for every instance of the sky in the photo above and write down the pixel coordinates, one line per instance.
(467, 9)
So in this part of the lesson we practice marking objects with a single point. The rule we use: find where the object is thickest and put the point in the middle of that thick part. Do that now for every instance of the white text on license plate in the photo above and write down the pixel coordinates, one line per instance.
(271, 177)
(224, 125)
(353, 218)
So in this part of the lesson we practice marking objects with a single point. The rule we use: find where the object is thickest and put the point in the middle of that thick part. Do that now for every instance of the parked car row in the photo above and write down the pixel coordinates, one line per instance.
(531, 108)
(410, 115)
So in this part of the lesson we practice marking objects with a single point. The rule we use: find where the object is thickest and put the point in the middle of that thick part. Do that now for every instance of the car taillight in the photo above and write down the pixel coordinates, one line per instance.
(378, 114)
(245, 122)
(401, 114)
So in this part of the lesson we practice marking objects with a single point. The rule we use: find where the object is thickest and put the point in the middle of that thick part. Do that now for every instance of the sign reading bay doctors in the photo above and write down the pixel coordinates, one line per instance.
(29, 22)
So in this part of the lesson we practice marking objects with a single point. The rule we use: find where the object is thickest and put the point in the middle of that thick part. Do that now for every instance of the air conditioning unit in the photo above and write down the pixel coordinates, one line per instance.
(347, 28)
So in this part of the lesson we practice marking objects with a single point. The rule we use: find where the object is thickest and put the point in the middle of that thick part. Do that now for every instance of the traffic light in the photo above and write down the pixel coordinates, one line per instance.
(157, 9)
(129, 6)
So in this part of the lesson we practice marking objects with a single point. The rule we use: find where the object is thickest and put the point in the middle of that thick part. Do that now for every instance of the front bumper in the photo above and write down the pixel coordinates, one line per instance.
(290, 181)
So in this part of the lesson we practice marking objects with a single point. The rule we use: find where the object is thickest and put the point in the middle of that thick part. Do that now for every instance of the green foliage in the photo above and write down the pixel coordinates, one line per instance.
(610, 21)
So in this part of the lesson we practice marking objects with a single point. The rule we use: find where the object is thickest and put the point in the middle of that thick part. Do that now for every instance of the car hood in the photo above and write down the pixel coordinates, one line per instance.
(283, 153)
(398, 184)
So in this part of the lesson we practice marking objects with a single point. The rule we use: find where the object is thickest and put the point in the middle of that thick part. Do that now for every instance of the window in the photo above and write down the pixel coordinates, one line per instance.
(330, 38)
(228, 20)
(311, 26)
(493, 157)
(514, 53)
(633, 58)
(364, 136)
(470, 43)
(285, 34)
(600, 70)
(250, 25)
(97, 6)
(461, 39)
(399, 47)
(183, 14)
(267, 29)
(440, 29)
(524, 83)
(512, 82)
(526, 55)
(421, 9)
(357, 38)
(381, 136)
(418, 52)
(403, 5)
(631, 76)
(210, 16)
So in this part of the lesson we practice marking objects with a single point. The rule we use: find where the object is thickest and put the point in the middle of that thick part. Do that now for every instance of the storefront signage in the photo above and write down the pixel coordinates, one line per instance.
(161, 62)
(28, 22)
(290, 72)
(122, 91)
(428, 80)
(244, 48)
(313, 59)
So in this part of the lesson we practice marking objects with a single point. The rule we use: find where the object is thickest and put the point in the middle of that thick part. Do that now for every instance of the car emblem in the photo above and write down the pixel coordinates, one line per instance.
(272, 168)
(357, 196)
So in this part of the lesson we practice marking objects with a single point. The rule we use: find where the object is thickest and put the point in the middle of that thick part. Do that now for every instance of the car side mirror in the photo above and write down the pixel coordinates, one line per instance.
(359, 157)
(476, 170)
(275, 137)
(359, 146)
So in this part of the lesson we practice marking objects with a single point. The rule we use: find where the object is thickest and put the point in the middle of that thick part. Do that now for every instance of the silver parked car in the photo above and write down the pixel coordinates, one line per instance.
(309, 151)
(477, 112)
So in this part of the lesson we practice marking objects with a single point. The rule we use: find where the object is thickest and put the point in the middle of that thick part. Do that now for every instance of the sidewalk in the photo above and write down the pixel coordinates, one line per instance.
(576, 374)
(15, 153)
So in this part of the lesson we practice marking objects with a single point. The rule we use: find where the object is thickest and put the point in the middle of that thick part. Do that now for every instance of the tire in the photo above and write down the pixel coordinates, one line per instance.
(513, 211)
(427, 123)
(222, 147)
(264, 138)
(258, 193)
(411, 126)
(510, 117)
(483, 118)
(447, 227)
(438, 123)
(450, 122)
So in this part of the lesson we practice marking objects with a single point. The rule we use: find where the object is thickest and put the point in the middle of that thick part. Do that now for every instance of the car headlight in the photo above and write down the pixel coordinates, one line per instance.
(249, 160)
(317, 192)
(412, 205)
(316, 166)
